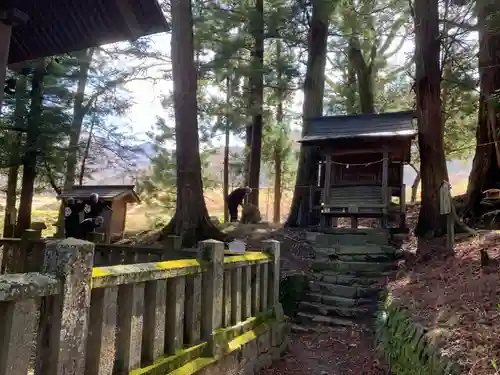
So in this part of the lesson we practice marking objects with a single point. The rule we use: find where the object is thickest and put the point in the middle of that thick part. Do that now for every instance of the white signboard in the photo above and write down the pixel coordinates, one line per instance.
(237, 245)
(445, 198)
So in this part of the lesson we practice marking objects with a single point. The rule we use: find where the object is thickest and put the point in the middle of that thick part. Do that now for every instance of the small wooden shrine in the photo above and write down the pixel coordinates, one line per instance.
(115, 197)
(360, 172)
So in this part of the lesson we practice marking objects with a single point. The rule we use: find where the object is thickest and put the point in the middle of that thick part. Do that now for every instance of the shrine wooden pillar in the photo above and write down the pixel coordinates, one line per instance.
(325, 220)
(402, 200)
(385, 186)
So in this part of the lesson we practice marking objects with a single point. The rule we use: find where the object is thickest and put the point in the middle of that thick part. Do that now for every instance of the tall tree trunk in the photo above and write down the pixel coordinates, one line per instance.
(79, 112)
(31, 150)
(278, 147)
(257, 99)
(351, 97)
(364, 76)
(278, 156)
(485, 172)
(226, 152)
(314, 87)
(10, 199)
(85, 155)
(191, 220)
(414, 185)
(414, 188)
(248, 140)
(430, 123)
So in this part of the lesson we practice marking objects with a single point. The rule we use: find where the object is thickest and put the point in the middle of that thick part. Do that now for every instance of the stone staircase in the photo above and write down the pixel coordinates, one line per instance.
(348, 263)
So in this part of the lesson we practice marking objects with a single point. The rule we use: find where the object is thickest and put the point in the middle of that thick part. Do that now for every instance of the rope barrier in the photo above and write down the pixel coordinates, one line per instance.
(347, 165)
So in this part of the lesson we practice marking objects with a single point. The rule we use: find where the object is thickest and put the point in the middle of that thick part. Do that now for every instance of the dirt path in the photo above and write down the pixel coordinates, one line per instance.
(330, 351)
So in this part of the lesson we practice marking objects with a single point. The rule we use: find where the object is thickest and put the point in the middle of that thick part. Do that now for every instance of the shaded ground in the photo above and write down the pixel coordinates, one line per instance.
(330, 351)
(457, 299)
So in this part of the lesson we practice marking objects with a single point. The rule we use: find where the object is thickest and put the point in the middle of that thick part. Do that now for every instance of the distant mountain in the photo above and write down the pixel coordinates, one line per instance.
(458, 170)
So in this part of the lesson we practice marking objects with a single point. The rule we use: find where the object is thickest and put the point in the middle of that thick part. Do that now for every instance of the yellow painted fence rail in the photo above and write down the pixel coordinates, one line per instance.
(145, 318)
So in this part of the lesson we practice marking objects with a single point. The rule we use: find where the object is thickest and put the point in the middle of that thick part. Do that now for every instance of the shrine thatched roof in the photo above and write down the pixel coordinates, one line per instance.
(60, 26)
(382, 125)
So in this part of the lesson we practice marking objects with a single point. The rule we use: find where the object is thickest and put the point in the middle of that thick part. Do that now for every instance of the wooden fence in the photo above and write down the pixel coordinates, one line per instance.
(143, 318)
(26, 254)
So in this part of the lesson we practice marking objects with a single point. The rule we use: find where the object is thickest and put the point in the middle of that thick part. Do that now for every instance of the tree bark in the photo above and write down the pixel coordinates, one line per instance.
(414, 185)
(191, 220)
(31, 150)
(351, 97)
(257, 99)
(364, 76)
(226, 152)
(301, 213)
(414, 188)
(485, 172)
(79, 112)
(85, 155)
(11, 198)
(278, 160)
(430, 124)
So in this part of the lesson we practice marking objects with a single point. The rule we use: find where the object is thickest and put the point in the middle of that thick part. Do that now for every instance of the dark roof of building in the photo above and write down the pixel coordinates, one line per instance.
(108, 192)
(60, 26)
(390, 124)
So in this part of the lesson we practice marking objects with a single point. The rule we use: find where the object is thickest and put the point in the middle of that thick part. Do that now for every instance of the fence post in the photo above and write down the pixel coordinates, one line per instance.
(97, 237)
(172, 243)
(64, 318)
(34, 250)
(16, 332)
(212, 252)
(272, 247)
(16, 254)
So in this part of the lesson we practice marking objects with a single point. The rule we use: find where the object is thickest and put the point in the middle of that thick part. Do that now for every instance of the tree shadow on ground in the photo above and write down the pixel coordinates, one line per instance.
(455, 298)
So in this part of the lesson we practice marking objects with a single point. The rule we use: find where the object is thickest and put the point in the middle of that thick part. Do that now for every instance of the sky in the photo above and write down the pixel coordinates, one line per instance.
(146, 95)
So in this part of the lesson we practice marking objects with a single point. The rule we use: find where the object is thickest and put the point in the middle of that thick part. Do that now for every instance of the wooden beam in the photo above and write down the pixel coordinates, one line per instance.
(385, 184)
(5, 33)
(402, 206)
(328, 177)
(130, 18)
(355, 152)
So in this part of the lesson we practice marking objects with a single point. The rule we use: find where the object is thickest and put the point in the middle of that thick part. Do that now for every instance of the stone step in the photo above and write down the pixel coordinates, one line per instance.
(307, 318)
(334, 278)
(336, 311)
(324, 256)
(367, 249)
(359, 231)
(339, 301)
(354, 268)
(346, 291)
(327, 240)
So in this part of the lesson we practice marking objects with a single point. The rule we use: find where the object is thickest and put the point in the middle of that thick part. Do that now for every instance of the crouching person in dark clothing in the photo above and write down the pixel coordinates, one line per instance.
(89, 225)
(234, 200)
(72, 218)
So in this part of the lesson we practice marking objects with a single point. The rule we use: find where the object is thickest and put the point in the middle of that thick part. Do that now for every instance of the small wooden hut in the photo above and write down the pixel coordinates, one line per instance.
(115, 197)
(361, 166)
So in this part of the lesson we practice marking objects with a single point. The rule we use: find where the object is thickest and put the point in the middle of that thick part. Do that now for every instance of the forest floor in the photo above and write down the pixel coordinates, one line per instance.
(456, 298)
(330, 351)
